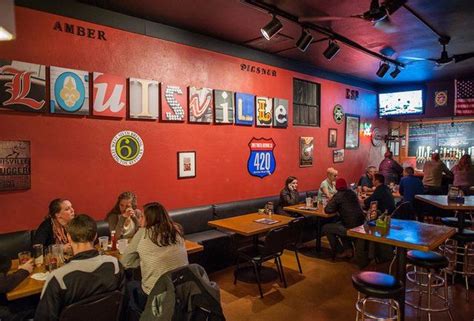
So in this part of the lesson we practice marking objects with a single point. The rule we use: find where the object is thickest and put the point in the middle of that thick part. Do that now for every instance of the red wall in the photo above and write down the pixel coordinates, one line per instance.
(71, 158)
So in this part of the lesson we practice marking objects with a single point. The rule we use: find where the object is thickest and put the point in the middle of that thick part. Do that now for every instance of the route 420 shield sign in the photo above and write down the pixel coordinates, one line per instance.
(261, 161)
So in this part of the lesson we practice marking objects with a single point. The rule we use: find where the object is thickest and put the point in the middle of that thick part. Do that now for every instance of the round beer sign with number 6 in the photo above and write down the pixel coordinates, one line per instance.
(127, 148)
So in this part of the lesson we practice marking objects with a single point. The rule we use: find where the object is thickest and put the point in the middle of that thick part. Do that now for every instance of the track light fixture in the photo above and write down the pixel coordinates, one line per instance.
(395, 72)
(304, 41)
(271, 28)
(384, 67)
(331, 50)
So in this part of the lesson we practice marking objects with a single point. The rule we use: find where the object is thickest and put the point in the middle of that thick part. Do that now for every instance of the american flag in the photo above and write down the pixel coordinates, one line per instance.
(464, 97)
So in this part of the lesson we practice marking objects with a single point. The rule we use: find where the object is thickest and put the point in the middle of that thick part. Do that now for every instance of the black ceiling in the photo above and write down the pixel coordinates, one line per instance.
(238, 22)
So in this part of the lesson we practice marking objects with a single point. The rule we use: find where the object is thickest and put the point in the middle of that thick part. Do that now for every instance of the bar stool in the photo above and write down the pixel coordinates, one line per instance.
(460, 249)
(379, 288)
(427, 280)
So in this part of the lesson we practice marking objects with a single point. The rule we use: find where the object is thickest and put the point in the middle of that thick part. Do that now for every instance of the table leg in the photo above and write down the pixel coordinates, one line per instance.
(318, 235)
(401, 275)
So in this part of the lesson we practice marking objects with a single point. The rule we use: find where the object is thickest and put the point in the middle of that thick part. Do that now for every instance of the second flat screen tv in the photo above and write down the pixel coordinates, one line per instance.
(401, 103)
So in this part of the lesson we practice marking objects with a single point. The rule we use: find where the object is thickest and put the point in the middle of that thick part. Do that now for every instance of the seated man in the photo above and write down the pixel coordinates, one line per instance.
(366, 180)
(86, 275)
(7, 283)
(382, 195)
(410, 185)
(350, 215)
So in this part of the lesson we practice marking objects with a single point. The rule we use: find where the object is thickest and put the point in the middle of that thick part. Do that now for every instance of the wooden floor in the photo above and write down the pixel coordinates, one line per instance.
(323, 292)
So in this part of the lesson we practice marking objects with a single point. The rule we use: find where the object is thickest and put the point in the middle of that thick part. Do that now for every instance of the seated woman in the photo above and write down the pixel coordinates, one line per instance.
(289, 194)
(123, 217)
(53, 228)
(327, 188)
(157, 247)
(346, 204)
(463, 173)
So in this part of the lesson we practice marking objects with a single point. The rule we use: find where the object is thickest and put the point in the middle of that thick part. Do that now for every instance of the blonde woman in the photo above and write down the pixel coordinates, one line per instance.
(328, 187)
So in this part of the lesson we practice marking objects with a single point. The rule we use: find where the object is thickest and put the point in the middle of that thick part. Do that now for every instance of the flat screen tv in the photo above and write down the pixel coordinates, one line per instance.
(401, 103)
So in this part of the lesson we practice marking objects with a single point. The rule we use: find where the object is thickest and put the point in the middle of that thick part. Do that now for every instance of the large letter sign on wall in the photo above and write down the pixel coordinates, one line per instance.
(245, 109)
(280, 112)
(263, 111)
(200, 105)
(224, 106)
(144, 98)
(261, 162)
(109, 95)
(173, 100)
(22, 86)
(69, 91)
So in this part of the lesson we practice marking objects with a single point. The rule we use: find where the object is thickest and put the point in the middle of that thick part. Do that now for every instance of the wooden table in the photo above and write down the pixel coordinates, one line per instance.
(405, 235)
(31, 286)
(318, 213)
(246, 225)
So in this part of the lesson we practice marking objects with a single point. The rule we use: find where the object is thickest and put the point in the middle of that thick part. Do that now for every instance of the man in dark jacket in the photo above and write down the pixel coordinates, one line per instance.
(390, 169)
(382, 194)
(350, 215)
(86, 275)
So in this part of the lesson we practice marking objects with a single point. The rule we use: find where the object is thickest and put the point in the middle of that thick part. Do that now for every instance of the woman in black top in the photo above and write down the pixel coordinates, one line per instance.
(53, 229)
(289, 194)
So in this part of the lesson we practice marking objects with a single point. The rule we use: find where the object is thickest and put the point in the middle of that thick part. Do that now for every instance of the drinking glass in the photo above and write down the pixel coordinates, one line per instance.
(122, 245)
(50, 258)
(38, 254)
(104, 243)
(24, 257)
(309, 201)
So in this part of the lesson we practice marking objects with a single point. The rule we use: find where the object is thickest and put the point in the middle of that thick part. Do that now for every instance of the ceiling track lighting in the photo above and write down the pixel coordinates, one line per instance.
(267, 7)
(271, 28)
(332, 50)
(383, 68)
(395, 72)
(305, 40)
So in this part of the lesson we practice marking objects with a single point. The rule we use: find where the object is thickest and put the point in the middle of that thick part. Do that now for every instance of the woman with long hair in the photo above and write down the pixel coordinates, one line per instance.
(464, 174)
(53, 229)
(123, 217)
(289, 194)
(157, 247)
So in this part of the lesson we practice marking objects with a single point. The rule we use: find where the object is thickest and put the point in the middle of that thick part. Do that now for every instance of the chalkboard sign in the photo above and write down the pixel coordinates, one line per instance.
(439, 136)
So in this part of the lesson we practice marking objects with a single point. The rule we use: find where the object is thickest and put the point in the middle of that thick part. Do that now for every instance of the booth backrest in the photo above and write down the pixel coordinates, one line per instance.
(193, 219)
(14, 242)
(231, 209)
(103, 228)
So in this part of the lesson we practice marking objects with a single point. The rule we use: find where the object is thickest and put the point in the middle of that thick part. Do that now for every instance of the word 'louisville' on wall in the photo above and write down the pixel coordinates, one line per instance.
(23, 88)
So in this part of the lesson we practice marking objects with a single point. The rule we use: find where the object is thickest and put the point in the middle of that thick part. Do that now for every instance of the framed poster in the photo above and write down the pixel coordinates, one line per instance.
(244, 109)
(69, 90)
(22, 86)
(15, 169)
(332, 137)
(223, 107)
(109, 95)
(186, 165)
(338, 155)
(200, 105)
(352, 132)
(306, 151)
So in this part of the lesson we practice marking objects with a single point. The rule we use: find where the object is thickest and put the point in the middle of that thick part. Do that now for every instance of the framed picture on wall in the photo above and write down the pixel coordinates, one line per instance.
(332, 137)
(186, 165)
(306, 151)
(351, 140)
(338, 155)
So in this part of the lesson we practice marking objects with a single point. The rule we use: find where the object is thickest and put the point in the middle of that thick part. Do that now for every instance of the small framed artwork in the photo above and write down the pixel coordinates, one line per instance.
(306, 151)
(186, 165)
(338, 155)
(352, 132)
(332, 137)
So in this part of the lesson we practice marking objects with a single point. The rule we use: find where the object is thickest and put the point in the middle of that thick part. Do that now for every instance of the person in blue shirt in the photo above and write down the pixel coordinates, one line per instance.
(366, 180)
(410, 185)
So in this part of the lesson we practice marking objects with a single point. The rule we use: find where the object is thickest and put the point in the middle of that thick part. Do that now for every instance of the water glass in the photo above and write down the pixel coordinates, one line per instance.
(38, 254)
(122, 245)
(24, 257)
(309, 202)
(104, 243)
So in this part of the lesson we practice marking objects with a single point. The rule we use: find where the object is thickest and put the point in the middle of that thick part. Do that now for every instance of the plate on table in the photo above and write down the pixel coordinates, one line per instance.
(40, 276)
